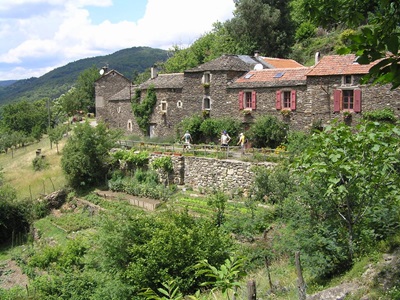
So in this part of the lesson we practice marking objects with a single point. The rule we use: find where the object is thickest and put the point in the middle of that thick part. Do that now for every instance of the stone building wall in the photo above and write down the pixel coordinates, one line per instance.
(266, 98)
(320, 91)
(164, 121)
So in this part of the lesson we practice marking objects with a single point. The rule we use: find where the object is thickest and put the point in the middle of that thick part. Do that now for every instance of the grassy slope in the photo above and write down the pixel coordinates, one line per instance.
(19, 173)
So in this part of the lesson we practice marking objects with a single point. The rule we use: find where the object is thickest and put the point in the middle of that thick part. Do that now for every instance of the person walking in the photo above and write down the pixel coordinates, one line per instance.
(187, 138)
(242, 141)
(225, 139)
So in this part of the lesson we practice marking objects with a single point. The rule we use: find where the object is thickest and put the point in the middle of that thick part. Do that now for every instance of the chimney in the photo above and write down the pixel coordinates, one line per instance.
(317, 57)
(153, 71)
(256, 53)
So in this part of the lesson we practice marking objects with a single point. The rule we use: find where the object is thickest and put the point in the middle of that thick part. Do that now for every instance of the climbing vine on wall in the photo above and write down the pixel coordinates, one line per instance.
(142, 110)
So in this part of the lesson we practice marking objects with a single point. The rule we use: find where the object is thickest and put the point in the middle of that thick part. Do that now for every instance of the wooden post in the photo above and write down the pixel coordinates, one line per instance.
(300, 280)
(269, 275)
(251, 290)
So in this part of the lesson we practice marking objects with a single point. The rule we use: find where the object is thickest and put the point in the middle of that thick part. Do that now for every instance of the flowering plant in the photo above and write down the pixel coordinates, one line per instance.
(247, 111)
(286, 112)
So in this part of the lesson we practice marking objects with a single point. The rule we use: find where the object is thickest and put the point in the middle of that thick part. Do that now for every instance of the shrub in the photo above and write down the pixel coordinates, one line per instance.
(267, 131)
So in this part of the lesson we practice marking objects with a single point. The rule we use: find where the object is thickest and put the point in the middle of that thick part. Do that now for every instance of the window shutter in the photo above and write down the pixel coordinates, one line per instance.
(337, 95)
(278, 102)
(357, 101)
(293, 99)
(241, 99)
(253, 99)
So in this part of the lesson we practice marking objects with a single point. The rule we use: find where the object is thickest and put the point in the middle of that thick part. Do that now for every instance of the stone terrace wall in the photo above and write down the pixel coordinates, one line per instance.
(209, 173)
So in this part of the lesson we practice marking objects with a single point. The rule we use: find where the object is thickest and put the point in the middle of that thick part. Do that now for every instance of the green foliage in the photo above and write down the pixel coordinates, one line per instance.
(148, 250)
(85, 88)
(272, 185)
(39, 163)
(133, 159)
(262, 25)
(14, 215)
(86, 158)
(144, 108)
(349, 199)
(305, 31)
(191, 124)
(225, 278)
(218, 200)
(382, 115)
(163, 163)
(169, 291)
(143, 184)
(25, 117)
(267, 131)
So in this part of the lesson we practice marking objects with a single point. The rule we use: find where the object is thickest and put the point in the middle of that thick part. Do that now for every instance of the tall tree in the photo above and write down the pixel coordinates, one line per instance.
(86, 159)
(85, 88)
(263, 25)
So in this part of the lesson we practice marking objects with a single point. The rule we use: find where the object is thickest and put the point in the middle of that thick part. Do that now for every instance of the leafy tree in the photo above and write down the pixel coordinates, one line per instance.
(263, 25)
(267, 131)
(86, 158)
(147, 250)
(25, 117)
(56, 134)
(353, 193)
(85, 88)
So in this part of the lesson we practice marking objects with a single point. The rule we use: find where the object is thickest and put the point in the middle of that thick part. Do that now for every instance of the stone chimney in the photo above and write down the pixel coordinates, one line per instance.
(153, 71)
(317, 57)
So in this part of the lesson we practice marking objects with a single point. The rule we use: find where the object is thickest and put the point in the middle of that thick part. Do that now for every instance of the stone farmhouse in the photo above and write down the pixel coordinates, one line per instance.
(246, 87)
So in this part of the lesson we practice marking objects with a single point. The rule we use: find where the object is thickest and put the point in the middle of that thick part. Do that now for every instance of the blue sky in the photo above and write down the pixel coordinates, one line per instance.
(37, 36)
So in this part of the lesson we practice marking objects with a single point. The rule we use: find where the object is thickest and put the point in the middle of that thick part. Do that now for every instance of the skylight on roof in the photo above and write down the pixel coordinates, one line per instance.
(248, 76)
(279, 74)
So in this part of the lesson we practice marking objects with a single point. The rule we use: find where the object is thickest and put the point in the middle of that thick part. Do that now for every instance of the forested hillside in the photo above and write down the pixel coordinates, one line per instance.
(130, 62)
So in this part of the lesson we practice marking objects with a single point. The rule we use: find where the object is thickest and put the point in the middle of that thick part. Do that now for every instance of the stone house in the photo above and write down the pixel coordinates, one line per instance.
(246, 87)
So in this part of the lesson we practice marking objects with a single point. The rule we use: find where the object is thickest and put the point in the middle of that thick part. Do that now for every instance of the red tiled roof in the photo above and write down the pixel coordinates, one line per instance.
(282, 62)
(339, 65)
(274, 75)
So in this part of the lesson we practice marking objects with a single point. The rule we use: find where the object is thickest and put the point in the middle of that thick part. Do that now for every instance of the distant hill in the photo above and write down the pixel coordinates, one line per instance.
(54, 83)
(6, 82)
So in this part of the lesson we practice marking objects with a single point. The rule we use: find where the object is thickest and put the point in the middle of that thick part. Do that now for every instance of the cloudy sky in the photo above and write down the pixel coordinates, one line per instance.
(37, 36)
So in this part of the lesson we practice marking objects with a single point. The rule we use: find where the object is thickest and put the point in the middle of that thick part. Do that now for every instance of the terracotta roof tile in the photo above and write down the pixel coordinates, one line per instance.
(282, 62)
(339, 65)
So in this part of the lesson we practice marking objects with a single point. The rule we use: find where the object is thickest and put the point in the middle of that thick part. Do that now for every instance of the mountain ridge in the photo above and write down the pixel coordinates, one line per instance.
(129, 62)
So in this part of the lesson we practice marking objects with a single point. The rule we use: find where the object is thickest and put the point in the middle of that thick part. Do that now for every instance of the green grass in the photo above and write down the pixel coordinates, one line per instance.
(19, 173)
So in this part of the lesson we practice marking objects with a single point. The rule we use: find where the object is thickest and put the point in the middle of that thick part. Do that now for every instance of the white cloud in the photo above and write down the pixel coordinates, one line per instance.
(50, 33)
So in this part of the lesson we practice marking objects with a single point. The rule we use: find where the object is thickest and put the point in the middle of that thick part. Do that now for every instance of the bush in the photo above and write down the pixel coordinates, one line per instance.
(267, 131)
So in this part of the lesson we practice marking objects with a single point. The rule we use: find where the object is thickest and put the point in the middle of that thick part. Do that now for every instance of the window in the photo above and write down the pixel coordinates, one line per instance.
(247, 100)
(347, 80)
(206, 78)
(286, 100)
(206, 103)
(347, 99)
(163, 106)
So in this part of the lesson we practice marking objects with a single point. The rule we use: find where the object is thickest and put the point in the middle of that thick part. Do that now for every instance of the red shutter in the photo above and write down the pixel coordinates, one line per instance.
(278, 102)
(357, 101)
(241, 100)
(337, 95)
(253, 99)
(293, 100)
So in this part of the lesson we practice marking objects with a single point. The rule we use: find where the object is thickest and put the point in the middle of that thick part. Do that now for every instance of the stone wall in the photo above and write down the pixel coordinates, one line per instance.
(202, 173)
